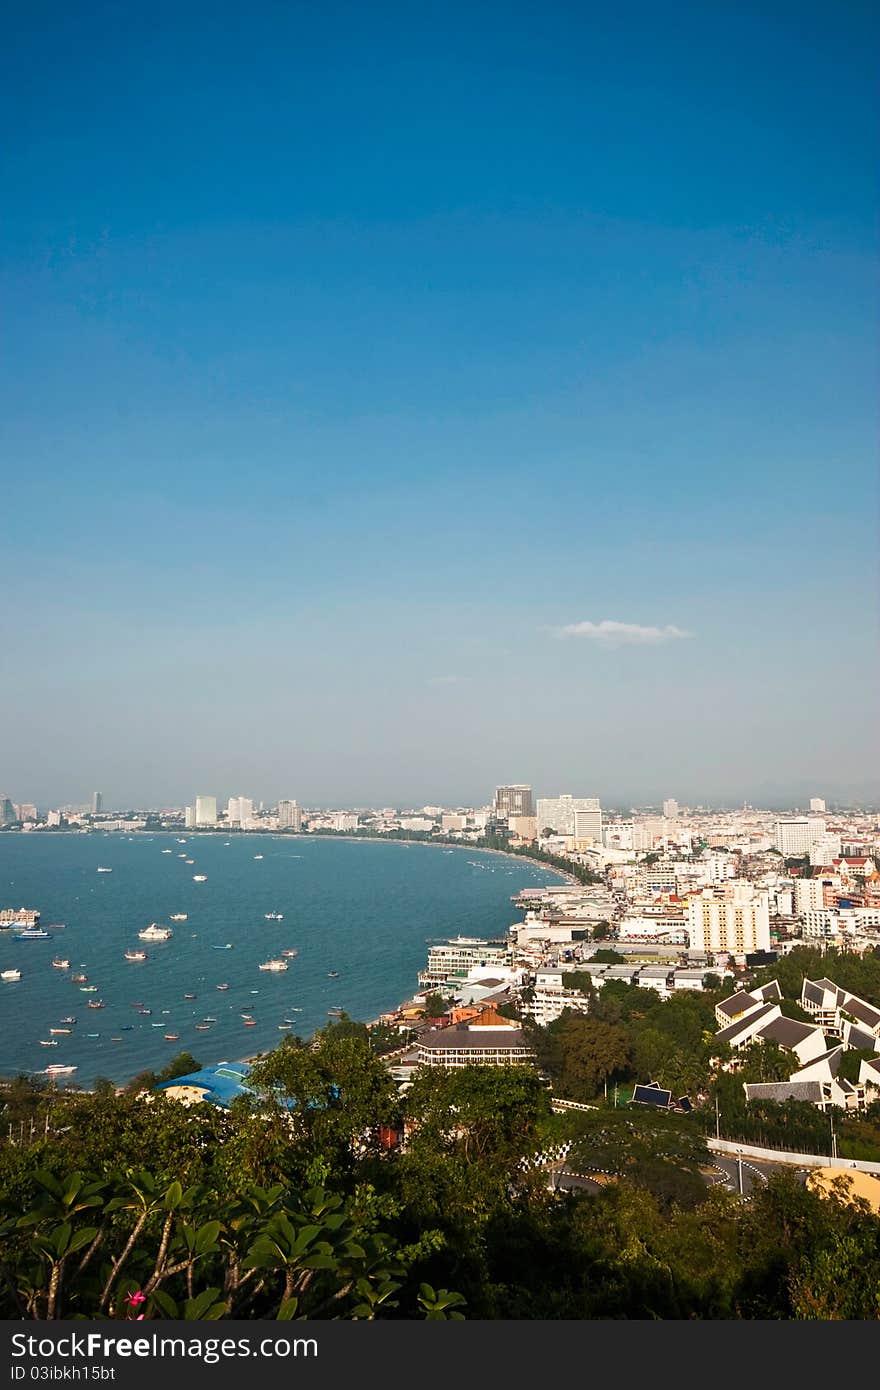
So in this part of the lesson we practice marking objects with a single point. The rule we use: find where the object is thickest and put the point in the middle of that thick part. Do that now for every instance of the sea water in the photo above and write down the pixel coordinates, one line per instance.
(364, 909)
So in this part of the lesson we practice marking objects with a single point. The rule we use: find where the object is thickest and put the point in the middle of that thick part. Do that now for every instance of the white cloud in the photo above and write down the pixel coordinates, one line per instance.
(613, 634)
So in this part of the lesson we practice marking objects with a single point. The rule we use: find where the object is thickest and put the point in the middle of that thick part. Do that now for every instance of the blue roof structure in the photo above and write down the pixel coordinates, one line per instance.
(221, 1083)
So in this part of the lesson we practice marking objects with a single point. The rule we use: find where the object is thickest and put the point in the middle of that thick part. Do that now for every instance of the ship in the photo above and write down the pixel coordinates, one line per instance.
(53, 1031)
(79, 979)
(155, 933)
(189, 861)
(61, 964)
(88, 989)
(102, 870)
(202, 1027)
(178, 917)
(227, 947)
(59, 1070)
(168, 851)
(332, 974)
(258, 856)
(31, 934)
(291, 954)
(69, 1019)
(222, 986)
(48, 1042)
(250, 1023)
(135, 955)
(274, 916)
(94, 1004)
(171, 1037)
(190, 996)
(10, 975)
(200, 878)
(274, 965)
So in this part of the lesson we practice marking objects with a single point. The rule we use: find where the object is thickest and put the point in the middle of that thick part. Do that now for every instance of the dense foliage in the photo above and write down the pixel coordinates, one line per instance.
(122, 1205)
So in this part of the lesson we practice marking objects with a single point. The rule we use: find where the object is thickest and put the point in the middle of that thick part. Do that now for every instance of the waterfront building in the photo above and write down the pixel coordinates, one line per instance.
(239, 810)
(451, 961)
(26, 811)
(735, 920)
(523, 827)
(189, 818)
(97, 803)
(486, 1041)
(513, 801)
(557, 813)
(343, 820)
(289, 816)
(7, 811)
(206, 810)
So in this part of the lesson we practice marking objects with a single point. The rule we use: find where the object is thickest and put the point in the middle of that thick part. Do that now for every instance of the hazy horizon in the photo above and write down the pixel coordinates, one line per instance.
(397, 403)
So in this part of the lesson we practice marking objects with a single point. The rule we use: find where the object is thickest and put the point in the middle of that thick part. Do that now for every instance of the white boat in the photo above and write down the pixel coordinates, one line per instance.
(155, 933)
(181, 842)
(135, 955)
(274, 916)
(53, 1031)
(258, 856)
(275, 965)
(178, 917)
(48, 1042)
(59, 1071)
(168, 851)
(291, 954)
(60, 963)
(10, 974)
(189, 861)
(102, 870)
(200, 878)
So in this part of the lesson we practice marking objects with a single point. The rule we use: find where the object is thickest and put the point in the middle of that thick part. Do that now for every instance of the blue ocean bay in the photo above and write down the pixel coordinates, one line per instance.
(362, 909)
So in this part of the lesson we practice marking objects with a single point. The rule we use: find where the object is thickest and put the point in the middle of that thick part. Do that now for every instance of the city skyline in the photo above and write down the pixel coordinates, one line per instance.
(396, 407)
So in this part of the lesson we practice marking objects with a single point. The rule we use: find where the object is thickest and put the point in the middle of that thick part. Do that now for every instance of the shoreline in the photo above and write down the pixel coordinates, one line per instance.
(449, 844)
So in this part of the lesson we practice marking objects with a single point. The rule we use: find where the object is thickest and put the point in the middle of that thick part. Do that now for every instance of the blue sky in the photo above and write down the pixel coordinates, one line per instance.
(351, 353)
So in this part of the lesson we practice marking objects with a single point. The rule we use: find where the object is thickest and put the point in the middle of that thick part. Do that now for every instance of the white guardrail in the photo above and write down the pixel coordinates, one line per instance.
(726, 1146)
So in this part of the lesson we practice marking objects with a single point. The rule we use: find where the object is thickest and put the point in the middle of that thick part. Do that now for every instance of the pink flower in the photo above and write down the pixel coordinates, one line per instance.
(133, 1299)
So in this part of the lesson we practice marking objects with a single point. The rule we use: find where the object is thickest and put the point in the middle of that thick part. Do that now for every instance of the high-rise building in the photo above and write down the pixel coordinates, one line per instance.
(796, 837)
(735, 920)
(817, 804)
(97, 803)
(588, 824)
(239, 809)
(514, 801)
(557, 812)
(189, 818)
(289, 816)
(670, 809)
(26, 811)
(206, 810)
(7, 811)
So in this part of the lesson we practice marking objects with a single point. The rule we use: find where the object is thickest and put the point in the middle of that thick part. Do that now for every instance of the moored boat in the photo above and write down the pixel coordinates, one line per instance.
(155, 932)
(10, 975)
